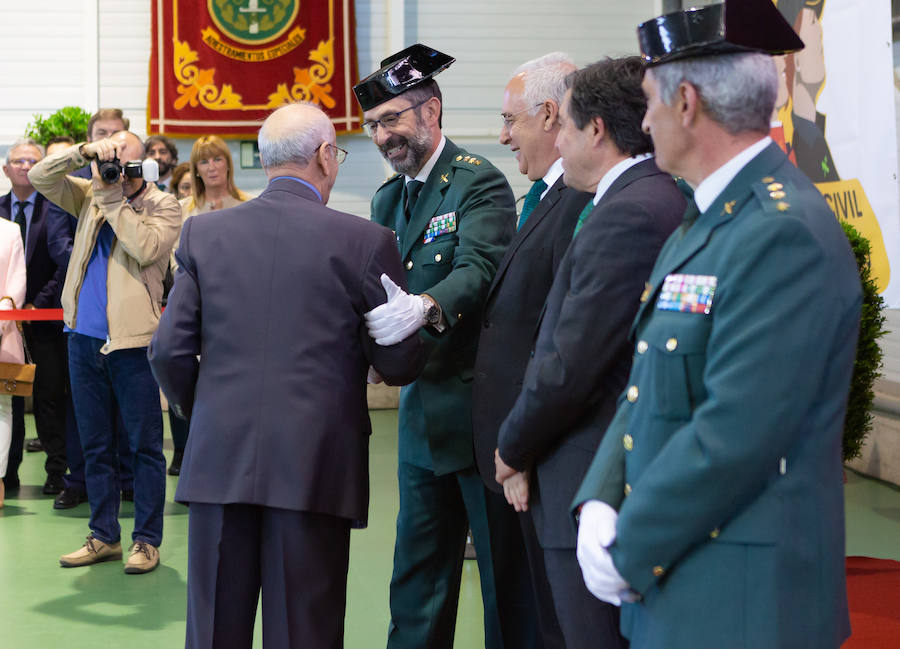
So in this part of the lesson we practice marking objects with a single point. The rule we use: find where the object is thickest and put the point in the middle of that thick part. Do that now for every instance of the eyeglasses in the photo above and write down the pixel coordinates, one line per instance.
(509, 118)
(22, 162)
(388, 121)
(339, 154)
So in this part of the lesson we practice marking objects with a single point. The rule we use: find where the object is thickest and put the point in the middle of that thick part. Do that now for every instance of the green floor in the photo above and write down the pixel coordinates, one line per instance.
(44, 605)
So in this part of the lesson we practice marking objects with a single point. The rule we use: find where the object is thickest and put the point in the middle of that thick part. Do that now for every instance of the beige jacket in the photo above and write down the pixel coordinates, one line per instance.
(145, 231)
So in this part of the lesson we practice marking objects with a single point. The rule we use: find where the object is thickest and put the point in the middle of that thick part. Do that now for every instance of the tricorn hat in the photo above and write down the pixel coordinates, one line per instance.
(404, 70)
(727, 28)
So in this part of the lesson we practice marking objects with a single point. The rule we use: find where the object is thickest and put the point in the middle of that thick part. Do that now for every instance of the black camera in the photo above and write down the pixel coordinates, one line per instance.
(111, 169)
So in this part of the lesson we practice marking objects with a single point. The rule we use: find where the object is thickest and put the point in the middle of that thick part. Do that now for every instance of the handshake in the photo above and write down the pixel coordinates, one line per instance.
(401, 316)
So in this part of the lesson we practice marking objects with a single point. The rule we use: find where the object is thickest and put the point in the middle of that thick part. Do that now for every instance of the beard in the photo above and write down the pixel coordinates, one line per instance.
(417, 149)
(164, 168)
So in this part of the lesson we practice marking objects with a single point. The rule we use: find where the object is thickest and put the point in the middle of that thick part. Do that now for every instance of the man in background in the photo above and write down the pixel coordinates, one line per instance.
(164, 151)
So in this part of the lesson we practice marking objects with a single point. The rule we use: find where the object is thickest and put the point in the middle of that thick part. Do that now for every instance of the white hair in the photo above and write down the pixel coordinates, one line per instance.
(279, 146)
(545, 78)
(736, 90)
(23, 141)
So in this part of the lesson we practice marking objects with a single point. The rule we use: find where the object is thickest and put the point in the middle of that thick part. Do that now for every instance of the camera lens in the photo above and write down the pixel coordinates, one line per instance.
(109, 171)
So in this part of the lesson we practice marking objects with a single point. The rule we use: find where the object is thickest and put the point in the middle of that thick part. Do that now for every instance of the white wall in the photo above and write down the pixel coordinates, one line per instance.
(51, 56)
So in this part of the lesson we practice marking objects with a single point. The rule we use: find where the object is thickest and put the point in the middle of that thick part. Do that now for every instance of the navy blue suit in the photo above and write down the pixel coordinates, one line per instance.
(272, 294)
(45, 342)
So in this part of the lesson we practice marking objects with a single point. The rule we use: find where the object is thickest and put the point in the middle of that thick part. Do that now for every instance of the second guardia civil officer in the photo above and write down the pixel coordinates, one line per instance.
(453, 214)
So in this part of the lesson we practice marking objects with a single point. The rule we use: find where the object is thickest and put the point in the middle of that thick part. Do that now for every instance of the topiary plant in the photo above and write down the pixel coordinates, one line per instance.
(70, 120)
(867, 368)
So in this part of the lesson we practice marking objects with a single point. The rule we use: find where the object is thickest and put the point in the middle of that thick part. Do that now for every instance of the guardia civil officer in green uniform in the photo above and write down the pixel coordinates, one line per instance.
(714, 505)
(453, 214)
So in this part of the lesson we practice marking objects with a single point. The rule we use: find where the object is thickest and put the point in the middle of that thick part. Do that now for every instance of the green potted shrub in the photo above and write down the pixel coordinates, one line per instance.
(70, 120)
(867, 368)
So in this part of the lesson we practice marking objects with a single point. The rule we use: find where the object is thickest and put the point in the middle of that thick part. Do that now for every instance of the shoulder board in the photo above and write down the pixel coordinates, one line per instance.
(773, 195)
(467, 161)
(392, 179)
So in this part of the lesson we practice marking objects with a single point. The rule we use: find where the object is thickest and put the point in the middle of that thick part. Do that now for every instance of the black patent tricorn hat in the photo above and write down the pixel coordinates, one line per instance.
(727, 28)
(404, 70)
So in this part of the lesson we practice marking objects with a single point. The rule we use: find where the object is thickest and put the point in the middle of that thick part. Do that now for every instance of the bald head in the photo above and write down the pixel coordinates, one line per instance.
(130, 146)
(292, 134)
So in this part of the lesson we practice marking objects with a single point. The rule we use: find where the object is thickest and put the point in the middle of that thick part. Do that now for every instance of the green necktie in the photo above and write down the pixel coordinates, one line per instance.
(20, 218)
(691, 213)
(532, 198)
(583, 216)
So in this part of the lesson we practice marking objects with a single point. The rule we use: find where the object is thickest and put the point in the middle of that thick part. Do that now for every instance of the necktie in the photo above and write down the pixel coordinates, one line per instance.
(583, 217)
(532, 198)
(20, 218)
(413, 187)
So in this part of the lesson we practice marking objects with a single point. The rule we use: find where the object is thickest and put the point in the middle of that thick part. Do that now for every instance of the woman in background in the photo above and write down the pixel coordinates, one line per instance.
(12, 295)
(181, 180)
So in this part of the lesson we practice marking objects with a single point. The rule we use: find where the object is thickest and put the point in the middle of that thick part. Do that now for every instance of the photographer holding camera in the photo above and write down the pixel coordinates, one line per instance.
(111, 307)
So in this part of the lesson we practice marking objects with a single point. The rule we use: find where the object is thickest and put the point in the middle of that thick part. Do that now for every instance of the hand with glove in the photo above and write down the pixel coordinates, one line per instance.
(596, 532)
(398, 318)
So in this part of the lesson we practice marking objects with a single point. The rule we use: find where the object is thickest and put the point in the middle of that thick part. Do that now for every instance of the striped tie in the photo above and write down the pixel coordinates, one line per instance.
(532, 198)
(583, 217)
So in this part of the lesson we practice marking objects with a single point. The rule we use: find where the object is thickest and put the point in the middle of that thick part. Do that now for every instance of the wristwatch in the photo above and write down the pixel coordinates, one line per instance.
(432, 312)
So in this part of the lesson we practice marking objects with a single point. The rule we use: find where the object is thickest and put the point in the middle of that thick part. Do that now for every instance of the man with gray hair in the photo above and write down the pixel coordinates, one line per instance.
(714, 506)
(530, 114)
(34, 215)
(273, 292)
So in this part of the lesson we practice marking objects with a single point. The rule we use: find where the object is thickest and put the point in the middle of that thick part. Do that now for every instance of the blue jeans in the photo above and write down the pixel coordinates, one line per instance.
(99, 382)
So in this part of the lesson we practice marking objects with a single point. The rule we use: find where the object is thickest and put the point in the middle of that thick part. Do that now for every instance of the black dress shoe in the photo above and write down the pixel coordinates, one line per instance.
(177, 457)
(128, 495)
(34, 446)
(53, 485)
(69, 497)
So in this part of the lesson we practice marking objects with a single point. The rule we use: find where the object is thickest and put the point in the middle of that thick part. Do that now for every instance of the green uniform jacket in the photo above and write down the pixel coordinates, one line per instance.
(724, 456)
(456, 269)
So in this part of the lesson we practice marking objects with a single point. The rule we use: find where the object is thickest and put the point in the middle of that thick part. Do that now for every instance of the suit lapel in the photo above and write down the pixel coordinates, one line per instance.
(429, 198)
(543, 208)
(726, 206)
(37, 222)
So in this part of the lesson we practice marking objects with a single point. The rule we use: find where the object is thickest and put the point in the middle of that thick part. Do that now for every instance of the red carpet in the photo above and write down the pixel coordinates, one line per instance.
(873, 588)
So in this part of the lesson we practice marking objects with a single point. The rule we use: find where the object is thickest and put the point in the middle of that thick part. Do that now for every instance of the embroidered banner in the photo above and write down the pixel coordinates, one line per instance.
(221, 66)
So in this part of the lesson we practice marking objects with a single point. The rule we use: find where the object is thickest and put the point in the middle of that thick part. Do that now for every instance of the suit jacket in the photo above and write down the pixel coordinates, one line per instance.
(272, 294)
(456, 269)
(582, 355)
(45, 277)
(511, 311)
(728, 439)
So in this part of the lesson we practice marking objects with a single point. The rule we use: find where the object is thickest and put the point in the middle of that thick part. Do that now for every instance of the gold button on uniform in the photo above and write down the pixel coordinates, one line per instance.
(627, 488)
(774, 187)
(632, 394)
(768, 179)
(459, 316)
(777, 194)
(672, 344)
(642, 346)
(714, 534)
(658, 571)
(628, 442)
(438, 257)
(409, 265)
(646, 293)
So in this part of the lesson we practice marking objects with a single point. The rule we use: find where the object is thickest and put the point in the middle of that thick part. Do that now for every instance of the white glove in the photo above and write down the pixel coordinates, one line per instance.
(398, 318)
(596, 532)
(373, 376)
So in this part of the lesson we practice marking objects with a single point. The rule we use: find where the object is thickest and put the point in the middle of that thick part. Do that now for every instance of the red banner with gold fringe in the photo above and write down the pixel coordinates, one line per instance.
(221, 66)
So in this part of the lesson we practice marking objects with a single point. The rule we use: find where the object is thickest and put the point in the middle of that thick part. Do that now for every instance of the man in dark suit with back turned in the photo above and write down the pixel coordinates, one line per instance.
(276, 469)
(453, 213)
(581, 353)
(531, 103)
(45, 340)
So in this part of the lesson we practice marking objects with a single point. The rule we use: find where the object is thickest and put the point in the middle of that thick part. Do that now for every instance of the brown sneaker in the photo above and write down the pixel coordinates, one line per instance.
(143, 558)
(93, 551)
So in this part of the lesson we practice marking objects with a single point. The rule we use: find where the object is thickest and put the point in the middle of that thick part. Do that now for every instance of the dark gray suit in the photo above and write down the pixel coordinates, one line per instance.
(272, 294)
(508, 327)
(580, 364)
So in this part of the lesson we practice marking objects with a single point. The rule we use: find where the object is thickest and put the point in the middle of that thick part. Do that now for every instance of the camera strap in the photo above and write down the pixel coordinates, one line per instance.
(134, 195)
